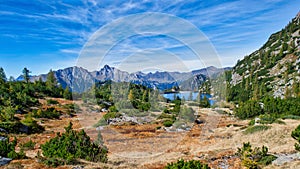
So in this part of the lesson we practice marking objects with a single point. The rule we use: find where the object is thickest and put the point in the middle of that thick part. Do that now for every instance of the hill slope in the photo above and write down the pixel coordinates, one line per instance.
(272, 70)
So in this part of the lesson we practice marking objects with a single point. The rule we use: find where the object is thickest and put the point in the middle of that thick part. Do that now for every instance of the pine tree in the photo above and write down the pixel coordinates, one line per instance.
(145, 96)
(67, 94)
(26, 74)
(2, 75)
(51, 80)
(130, 95)
(205, 102)
(247, 84)
(11, 79)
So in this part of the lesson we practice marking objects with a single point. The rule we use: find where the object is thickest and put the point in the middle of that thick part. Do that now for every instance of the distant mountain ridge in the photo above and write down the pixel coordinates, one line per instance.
(79, 79)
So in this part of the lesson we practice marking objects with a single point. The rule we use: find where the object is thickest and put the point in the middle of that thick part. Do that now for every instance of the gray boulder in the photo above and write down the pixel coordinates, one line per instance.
(4, 161)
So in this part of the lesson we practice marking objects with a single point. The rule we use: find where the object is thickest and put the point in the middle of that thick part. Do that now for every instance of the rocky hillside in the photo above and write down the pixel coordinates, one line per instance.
(274, 69)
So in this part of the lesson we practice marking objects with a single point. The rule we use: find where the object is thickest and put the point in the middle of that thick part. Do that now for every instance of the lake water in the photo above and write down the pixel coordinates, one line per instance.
(186, 95)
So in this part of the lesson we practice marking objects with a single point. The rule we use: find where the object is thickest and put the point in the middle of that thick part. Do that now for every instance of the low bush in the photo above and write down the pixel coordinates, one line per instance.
(168, 123)
(51, 101)
(49, 113)
(71, 108)
(111, 115)
(257, 128)
(187, 114)
(11, 127)
(266, 119)
(31, 125)
(166, 116)
(67, 147)
(113, 109)
(28, 145)
(254, 158)
(296, 135)
(192, 164)
(7, 149)
(101, 122)
(251, 122)
(294, 117)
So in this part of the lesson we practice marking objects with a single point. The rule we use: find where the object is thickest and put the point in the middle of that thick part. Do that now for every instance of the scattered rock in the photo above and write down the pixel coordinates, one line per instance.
(4, 161)
(99, 128)
(198, 121)
(78, 167)
(24, 129)
(3, 138)
(285, 158)
(3, 131)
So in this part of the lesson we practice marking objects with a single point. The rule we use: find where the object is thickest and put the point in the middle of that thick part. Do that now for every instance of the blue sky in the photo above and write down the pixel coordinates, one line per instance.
(43, 35)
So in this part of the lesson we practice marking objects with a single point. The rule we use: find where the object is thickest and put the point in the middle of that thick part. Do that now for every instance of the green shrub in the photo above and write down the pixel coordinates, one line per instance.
(168, 123)
(267, 160)
(111, 115)
(32, 125)
(7, 149)
(67, 147)
(267, 119)
(296, 135)
(166, 116)
(279, 121)
(28, 126)
(248, 109)
(49, 113)
(204, 102)
(254, 158)
(11, 127)
(101, 122)
(187, 114)
(28, 145)
(51, 101)
(251, 122)
(291, 117)
(71, 108)
(192, 164)
(113, 109)
(257, 128)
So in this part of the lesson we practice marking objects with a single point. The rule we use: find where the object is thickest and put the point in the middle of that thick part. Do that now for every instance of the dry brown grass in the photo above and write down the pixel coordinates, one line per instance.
(142, 146)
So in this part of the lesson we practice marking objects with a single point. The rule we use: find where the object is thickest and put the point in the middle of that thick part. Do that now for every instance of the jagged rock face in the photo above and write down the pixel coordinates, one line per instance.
(276, 63)
(79, 79)
(193, 83)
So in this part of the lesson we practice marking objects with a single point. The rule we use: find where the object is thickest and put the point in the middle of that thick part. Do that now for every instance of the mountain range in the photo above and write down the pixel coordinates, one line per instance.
(79, 79)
